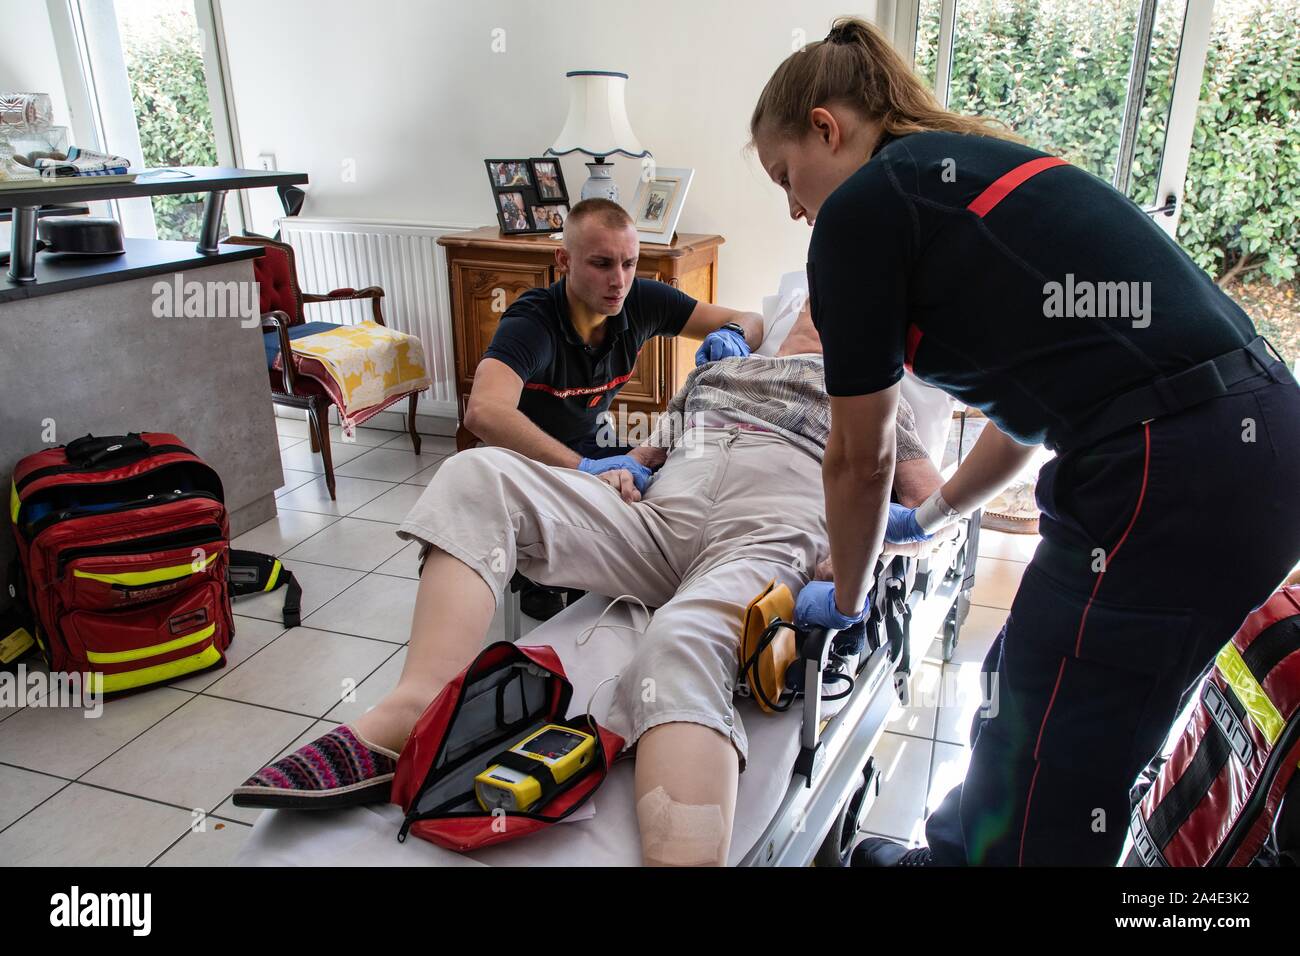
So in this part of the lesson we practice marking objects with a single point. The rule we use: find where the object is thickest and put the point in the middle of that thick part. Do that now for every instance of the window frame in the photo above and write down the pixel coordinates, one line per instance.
(86, 38)
(901, 19)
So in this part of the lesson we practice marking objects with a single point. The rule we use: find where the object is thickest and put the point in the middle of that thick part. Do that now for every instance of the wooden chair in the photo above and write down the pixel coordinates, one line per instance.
(281, 303)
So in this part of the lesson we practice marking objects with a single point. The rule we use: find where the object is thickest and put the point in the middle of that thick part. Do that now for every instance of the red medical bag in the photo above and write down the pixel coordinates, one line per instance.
(508, 692)
(123, 551)
(1226, 795)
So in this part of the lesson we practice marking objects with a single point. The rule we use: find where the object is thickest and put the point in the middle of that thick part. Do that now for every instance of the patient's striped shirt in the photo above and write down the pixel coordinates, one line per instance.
(786, 395)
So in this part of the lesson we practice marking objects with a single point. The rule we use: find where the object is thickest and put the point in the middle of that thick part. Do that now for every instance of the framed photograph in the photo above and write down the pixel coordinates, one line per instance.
(512, 212)
(658, 203)
(548, 178)
(550, 217)
(529, 194)
(509, 173)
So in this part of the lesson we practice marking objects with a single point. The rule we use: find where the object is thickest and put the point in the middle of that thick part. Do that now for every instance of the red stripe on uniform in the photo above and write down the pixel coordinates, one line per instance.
(1078, 640)
(584, 390)
(913, 340)
(1002, 187)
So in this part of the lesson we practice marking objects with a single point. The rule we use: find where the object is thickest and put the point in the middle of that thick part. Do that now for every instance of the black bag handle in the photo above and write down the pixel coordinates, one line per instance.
(251, 572)
(90, 452)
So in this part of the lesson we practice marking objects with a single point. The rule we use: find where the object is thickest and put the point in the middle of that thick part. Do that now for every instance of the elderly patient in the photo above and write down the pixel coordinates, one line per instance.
(737, 502)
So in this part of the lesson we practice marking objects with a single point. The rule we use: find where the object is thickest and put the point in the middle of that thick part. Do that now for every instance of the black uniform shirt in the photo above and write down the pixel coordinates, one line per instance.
(1020, 312)
(567, 384)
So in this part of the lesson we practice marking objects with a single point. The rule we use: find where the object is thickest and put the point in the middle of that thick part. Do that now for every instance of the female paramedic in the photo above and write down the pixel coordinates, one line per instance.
(1033, 291)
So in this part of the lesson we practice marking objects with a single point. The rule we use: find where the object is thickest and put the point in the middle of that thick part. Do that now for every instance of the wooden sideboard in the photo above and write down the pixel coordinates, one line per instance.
(487, 271)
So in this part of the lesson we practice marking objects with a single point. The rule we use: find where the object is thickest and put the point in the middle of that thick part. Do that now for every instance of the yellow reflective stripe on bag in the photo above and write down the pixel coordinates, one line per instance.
(275, 576)
(101, 683)
(1263, 713)
(153, 650)
(134, 578)
(14, 503)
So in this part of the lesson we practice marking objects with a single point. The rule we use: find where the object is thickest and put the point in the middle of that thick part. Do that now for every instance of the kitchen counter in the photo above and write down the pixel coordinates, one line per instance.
(63, 272)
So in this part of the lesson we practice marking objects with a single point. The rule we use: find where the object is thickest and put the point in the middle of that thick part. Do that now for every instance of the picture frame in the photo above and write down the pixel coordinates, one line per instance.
(660, 197)
(529, 194)
(509, 173)
(549, 216)
(512, 211)
(548, 179)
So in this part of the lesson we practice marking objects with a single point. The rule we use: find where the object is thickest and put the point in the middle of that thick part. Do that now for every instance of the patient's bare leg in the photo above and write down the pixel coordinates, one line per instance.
(453, 610)
(686, 778)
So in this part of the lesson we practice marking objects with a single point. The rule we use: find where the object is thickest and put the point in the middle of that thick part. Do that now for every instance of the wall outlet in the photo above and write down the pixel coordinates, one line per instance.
(266, 161)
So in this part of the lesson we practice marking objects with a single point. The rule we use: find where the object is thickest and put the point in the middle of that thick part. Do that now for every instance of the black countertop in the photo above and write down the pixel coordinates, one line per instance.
(75, 209)
(153, 182)
(62, 272)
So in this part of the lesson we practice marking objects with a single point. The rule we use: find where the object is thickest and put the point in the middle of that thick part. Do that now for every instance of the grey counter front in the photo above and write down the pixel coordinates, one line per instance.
(107, 346)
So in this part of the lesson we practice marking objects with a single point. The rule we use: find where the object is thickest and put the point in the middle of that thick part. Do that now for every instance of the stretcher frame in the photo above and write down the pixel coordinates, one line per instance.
(835, 777)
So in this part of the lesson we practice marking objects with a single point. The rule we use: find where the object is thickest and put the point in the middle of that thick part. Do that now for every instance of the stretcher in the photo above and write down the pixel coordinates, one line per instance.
(810, 778)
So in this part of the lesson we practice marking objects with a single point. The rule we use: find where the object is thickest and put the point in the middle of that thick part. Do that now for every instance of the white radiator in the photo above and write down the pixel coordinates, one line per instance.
(405, 260)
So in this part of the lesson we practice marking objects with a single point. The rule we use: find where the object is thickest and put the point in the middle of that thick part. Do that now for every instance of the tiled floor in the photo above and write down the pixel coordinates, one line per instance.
(926, 747)
(147, 783)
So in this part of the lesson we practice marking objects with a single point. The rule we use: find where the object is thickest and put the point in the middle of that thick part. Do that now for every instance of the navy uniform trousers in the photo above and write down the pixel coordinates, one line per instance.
(1157, 542)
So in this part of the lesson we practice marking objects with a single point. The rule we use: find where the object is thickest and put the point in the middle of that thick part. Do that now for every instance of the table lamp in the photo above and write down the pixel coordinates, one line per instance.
(597, 125)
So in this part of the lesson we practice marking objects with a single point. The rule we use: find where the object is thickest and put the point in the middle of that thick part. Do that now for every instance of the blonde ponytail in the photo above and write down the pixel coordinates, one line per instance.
(857, 66)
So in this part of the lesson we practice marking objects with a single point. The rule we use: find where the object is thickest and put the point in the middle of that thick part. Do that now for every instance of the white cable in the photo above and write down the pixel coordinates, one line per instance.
(592, 699)
(586, 635)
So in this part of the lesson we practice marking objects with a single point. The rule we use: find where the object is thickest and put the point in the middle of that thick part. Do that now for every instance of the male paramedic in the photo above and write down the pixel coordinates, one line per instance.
(562, 353)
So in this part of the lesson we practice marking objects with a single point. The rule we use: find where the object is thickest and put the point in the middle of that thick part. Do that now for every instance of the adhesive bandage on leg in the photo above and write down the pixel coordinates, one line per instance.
(679, 834)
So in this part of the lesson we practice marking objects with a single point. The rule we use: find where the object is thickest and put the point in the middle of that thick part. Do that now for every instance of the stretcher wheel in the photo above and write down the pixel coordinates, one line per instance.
(837, 849)
(953, 622)
(903, 687)
(950, 631)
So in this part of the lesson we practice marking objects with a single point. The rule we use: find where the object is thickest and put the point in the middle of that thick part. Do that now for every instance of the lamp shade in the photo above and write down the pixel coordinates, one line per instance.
(597, 123)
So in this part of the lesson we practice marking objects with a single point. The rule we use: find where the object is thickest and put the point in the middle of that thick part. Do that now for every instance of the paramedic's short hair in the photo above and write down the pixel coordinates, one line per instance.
(604, 211)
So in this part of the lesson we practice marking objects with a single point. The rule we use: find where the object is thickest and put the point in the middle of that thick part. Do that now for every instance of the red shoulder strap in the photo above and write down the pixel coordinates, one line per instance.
(1005, 184)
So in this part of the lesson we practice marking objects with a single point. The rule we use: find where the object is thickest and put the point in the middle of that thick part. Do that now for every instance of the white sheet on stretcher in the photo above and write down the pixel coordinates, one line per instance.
(367, 836)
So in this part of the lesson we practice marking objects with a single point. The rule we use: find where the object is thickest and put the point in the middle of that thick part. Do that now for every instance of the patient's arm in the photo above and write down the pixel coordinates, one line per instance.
(915, 480)
(651, 456)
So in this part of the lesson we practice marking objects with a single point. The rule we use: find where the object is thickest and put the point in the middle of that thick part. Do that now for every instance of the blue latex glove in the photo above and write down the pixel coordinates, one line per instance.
(641, 475)
(902, 527)
(815, 607)
(724, 343)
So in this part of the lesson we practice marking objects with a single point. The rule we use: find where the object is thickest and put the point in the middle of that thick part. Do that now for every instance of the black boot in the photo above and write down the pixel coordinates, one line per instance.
(877, 851)
(541, 603)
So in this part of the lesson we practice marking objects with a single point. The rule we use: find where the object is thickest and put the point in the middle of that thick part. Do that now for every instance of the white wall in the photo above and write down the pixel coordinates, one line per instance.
(412, 93)
(28, 63)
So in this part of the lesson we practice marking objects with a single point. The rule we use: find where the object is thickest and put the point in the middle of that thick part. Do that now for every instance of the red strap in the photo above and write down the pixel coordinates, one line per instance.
(1002, 187)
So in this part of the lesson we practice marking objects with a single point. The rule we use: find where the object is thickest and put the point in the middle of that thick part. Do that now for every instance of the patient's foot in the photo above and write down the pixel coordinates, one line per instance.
(390, 721)
(340, 769)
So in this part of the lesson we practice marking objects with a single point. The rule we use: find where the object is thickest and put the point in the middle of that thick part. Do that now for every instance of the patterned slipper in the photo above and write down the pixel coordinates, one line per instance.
(336, 770)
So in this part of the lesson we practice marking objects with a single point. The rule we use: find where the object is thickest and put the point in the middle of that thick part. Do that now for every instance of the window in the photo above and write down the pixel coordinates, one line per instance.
(1090, 81)
(146, 81)
(163, 54)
